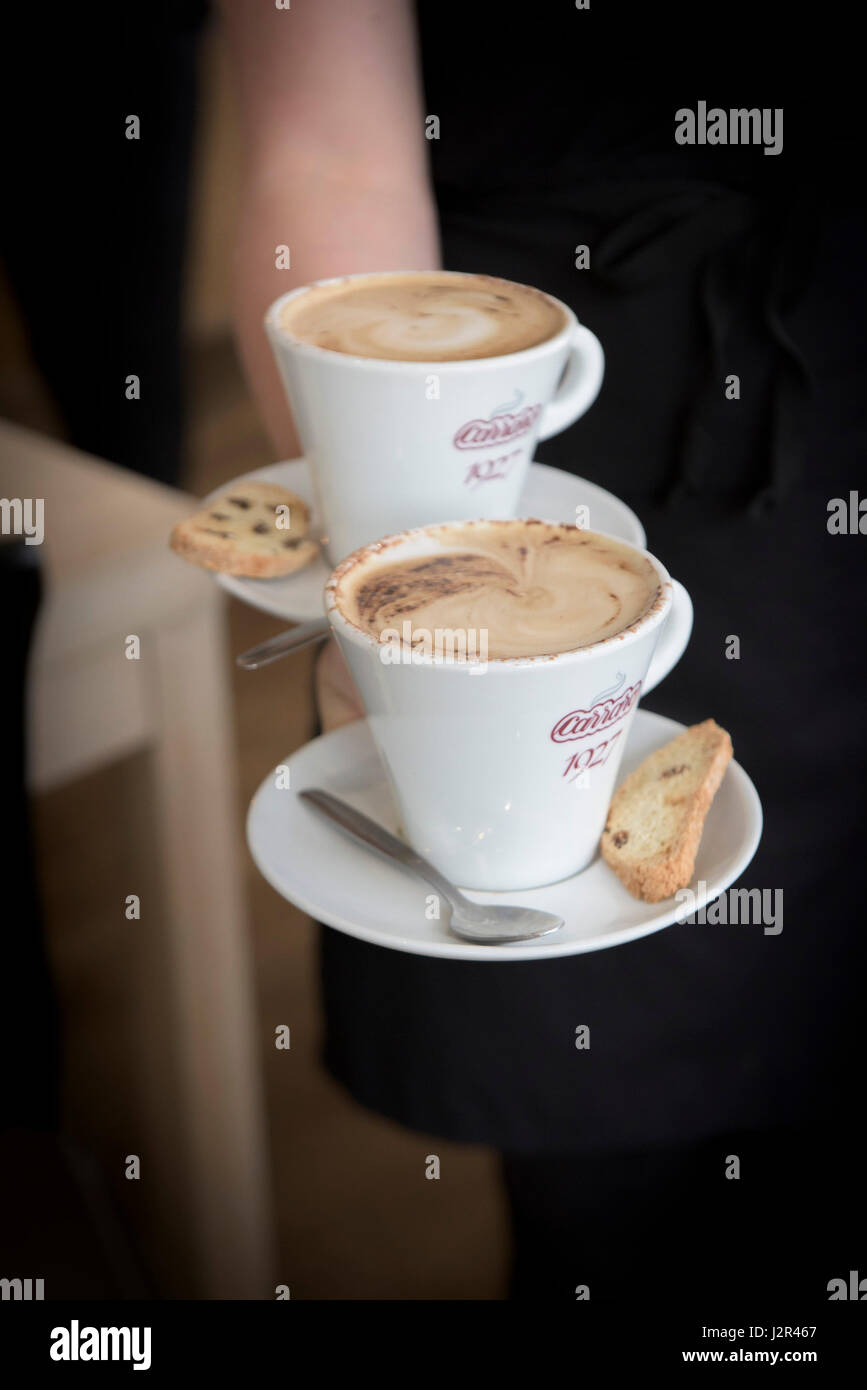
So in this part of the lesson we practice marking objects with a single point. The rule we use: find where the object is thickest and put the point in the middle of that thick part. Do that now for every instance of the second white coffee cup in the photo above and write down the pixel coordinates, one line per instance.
(396, 444)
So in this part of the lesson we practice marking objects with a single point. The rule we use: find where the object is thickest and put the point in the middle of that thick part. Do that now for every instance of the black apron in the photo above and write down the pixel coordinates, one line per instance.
(703, 263)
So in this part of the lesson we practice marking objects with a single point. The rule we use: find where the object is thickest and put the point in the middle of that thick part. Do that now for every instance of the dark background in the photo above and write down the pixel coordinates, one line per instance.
(87, 239)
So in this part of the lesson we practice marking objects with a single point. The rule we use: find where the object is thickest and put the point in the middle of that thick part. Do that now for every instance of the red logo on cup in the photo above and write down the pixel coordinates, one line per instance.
(505, 424)
(488, 470)
(608, 708)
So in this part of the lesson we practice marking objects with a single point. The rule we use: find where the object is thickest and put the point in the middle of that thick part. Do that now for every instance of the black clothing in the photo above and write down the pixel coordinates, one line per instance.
(704, 262)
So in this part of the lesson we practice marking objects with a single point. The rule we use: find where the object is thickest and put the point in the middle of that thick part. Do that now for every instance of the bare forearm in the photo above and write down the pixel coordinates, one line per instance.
(335, 159)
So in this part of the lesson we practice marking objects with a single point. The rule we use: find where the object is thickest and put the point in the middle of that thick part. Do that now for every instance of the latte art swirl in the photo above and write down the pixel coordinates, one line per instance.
(459, 330)
(534, 587)
(430, 317)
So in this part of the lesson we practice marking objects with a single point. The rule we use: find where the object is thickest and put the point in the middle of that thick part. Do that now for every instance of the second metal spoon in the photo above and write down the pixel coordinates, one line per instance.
(304, 635)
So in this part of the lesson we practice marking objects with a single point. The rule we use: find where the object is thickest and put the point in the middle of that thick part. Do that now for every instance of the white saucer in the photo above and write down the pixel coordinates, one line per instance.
(332, 878)
(549, 493)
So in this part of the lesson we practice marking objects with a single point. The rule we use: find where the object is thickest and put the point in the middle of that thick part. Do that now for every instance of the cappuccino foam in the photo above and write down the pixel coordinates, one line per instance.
(536, 588)
(425, 317)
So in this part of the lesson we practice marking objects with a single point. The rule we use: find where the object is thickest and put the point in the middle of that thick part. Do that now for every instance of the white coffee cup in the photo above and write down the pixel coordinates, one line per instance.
(503, 772)
(394, 445)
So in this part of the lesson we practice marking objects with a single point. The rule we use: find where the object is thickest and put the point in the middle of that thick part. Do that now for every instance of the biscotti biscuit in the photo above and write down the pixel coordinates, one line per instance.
(656, 817)
(255, 529)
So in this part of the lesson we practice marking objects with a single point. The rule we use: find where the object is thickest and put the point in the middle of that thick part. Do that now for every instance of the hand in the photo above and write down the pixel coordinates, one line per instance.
(336, 696)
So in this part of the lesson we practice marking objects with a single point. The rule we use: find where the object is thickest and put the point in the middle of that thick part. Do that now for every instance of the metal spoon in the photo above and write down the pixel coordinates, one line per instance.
(304, 635)
(469, 920)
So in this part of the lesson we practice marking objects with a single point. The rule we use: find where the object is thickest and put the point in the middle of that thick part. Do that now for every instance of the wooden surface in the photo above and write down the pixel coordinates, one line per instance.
(110, 577)
(354, 1217)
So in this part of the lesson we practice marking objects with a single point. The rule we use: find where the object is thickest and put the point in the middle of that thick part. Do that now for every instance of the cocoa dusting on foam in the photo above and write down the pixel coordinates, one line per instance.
(532, 598)
(402, 590)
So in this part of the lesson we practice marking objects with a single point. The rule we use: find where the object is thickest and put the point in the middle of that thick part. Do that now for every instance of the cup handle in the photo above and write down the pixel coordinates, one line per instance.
(585, 368)
(672, 643)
